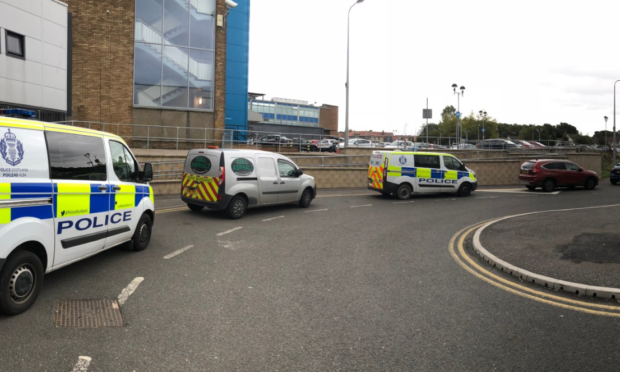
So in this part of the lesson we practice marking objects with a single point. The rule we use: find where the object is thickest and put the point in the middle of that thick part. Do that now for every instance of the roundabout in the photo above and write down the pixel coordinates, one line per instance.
(515, 253)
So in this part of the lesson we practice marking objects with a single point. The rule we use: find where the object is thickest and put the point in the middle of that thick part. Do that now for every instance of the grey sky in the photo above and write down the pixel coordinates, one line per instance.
(526, 62)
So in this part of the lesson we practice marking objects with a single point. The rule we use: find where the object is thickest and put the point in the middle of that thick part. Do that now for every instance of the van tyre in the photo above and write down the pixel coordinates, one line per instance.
(590, 183)
(614, 182)
(306, 199)
(236, 208)
(195, 207)
(464, 190)
(20, 282)
(403, 192)
(142, 235)
(548, 185)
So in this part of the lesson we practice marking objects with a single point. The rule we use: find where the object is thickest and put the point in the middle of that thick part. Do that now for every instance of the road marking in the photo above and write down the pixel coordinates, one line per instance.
(318, 210)
(168, 210)
(359, 206)
(461, 249)
(486, 197)
(274, 218)
(178, 252)
(129, 290)
(520, 196)
(336, 196)
(409, 202)
(229, 231)
(82, 364)
(518, 191)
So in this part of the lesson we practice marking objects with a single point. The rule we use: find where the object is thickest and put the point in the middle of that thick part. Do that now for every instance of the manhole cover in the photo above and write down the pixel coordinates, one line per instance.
(88, 314)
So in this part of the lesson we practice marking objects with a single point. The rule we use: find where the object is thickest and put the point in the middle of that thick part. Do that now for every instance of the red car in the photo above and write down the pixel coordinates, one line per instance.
(551, 173)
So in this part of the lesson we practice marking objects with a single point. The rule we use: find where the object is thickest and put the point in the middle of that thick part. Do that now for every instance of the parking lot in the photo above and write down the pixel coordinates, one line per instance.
(356, 282)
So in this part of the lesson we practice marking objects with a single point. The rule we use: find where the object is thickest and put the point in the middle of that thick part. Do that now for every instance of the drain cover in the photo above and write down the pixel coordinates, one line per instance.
(88, 314)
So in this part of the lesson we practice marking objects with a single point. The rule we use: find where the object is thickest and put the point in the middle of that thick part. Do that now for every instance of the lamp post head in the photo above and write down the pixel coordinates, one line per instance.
(485, 113)
(360, 1)
(606, 119)
(454, 87)
(462, 88)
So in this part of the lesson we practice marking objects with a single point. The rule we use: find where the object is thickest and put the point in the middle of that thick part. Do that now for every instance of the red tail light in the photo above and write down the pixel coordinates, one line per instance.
(535, 168)
(222, 176)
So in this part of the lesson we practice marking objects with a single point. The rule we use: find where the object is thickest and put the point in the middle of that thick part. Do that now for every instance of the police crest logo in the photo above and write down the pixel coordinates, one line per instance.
(12, 149)
(402, 159)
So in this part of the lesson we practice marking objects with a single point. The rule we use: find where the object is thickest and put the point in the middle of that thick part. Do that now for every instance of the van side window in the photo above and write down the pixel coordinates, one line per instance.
(125, 166)
(286, 169)
(450, 163)
(76, 157)
(427, 161)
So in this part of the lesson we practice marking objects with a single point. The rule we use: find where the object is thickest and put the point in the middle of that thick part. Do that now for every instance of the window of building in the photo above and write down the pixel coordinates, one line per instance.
(15, 45)
(75, 157)
(174, 53)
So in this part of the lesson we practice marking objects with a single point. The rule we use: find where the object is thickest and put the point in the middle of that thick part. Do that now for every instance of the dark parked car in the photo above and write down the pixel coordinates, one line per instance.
(305, 144)
(273, 140)
(549, 174)
(614, 175)
(497, 144)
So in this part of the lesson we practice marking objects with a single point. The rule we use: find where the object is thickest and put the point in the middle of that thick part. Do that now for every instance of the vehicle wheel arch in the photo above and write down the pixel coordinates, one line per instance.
(150, 213)
(34, 247)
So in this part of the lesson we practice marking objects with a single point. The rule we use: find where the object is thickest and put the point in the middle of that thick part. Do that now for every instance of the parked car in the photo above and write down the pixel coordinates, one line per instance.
(497, 144)
(234, 180)
(274, 140)
(525, 144)
(614, 175)
(330, 145)
(564, 145)
(305, 144)
(399, 144)
(538, 144)
(549, 174)
(357, 142)
(463, 146)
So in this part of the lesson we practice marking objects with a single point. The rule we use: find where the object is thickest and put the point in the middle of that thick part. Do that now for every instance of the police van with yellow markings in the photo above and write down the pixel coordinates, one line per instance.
(406, 173)
(66, 193)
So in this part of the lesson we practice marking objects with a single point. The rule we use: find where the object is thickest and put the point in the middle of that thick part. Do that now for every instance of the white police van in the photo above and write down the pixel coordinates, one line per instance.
(66, 193)
(406, 173)
(234, 180)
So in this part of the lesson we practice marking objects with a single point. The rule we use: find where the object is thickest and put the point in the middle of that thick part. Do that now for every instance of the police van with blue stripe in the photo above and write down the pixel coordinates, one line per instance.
(406, 173)
(66, 193)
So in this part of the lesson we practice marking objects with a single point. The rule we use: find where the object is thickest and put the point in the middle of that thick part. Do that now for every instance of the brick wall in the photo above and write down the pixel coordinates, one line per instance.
(103, 57)
(328, 119)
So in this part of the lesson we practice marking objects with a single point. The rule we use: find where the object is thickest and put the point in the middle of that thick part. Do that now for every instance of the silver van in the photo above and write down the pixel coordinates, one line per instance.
(234, 180)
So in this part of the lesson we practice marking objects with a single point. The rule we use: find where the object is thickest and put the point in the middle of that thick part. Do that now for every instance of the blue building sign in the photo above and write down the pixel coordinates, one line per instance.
(237, 64)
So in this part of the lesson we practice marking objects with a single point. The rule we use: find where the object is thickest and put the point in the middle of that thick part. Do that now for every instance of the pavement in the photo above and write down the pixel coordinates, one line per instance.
(356, 282)
(581, 246)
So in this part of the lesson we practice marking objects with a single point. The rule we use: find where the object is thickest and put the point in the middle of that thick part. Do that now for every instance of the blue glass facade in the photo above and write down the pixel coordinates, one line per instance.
(286, 113)
(237, 63)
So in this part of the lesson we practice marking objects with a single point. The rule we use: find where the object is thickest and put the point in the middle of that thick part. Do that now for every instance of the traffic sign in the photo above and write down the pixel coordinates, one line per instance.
(482, 130)
(458, 114)
(427, 113)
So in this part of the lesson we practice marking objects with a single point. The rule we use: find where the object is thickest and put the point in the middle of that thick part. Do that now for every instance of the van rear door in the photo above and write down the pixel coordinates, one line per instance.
(201, 177)
(376, 170)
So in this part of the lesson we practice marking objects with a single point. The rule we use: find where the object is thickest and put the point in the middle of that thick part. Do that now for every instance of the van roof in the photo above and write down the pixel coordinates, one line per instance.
(240, 151)
(416, 153)
(39, 125)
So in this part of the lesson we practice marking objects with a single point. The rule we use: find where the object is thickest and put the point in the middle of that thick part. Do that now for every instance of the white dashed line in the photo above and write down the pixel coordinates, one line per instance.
(405, 202)
(176, 253)
(129, 290)
(274, 218)
(229, 231)
(82, 364)
(318, 210)
(359, 206)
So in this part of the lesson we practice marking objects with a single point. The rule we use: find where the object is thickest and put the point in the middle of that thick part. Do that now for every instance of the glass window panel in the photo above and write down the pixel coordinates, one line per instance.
(124, 165)
(149, 20)
(14, 44)
(176, 22)
(75, 157)
(202, 24)
(147, 75)
(174, 85)
(201, 79)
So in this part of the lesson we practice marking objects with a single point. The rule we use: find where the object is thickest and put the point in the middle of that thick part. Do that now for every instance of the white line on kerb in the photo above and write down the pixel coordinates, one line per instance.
(82, 364)
(271, 219)
(178, 252)
(359, 206)
(129, 290)
(318, 210)
(229, 231)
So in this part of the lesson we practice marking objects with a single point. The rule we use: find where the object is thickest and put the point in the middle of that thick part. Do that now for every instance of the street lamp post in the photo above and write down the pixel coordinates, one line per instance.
(614, 136)
(346, 123)
(605, 117)
(538, 130)
(458, 109)
(483, 114)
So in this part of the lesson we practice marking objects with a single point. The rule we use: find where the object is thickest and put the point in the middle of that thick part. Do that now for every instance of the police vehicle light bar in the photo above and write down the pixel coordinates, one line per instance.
(18, 112)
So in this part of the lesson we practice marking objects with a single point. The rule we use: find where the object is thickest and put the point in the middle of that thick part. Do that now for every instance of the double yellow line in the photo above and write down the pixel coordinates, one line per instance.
(457, 251)
(173, 209)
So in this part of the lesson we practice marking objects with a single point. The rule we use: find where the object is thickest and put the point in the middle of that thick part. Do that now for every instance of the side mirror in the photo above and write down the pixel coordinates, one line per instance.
(147, 174)
(299, 172)
(580, 169)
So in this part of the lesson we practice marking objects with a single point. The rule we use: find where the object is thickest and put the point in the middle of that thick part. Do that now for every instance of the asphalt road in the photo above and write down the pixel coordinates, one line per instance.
(354, 283)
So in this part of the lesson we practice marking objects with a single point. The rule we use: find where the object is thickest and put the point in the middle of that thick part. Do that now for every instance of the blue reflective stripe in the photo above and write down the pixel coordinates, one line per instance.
(437, 173)
(141, 193)
(37, 188)
(99, 202)
(30, 196)
(42, 212)
(463, 174)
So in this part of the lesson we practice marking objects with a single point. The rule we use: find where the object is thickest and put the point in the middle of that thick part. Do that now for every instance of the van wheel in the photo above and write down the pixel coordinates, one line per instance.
(464, 190)
(195, 207)
(548, 185)
(590, 183)
(614, 182)
(20, 282)
(142, 236)
(236, 208)
(403, 192)
(306, 199)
